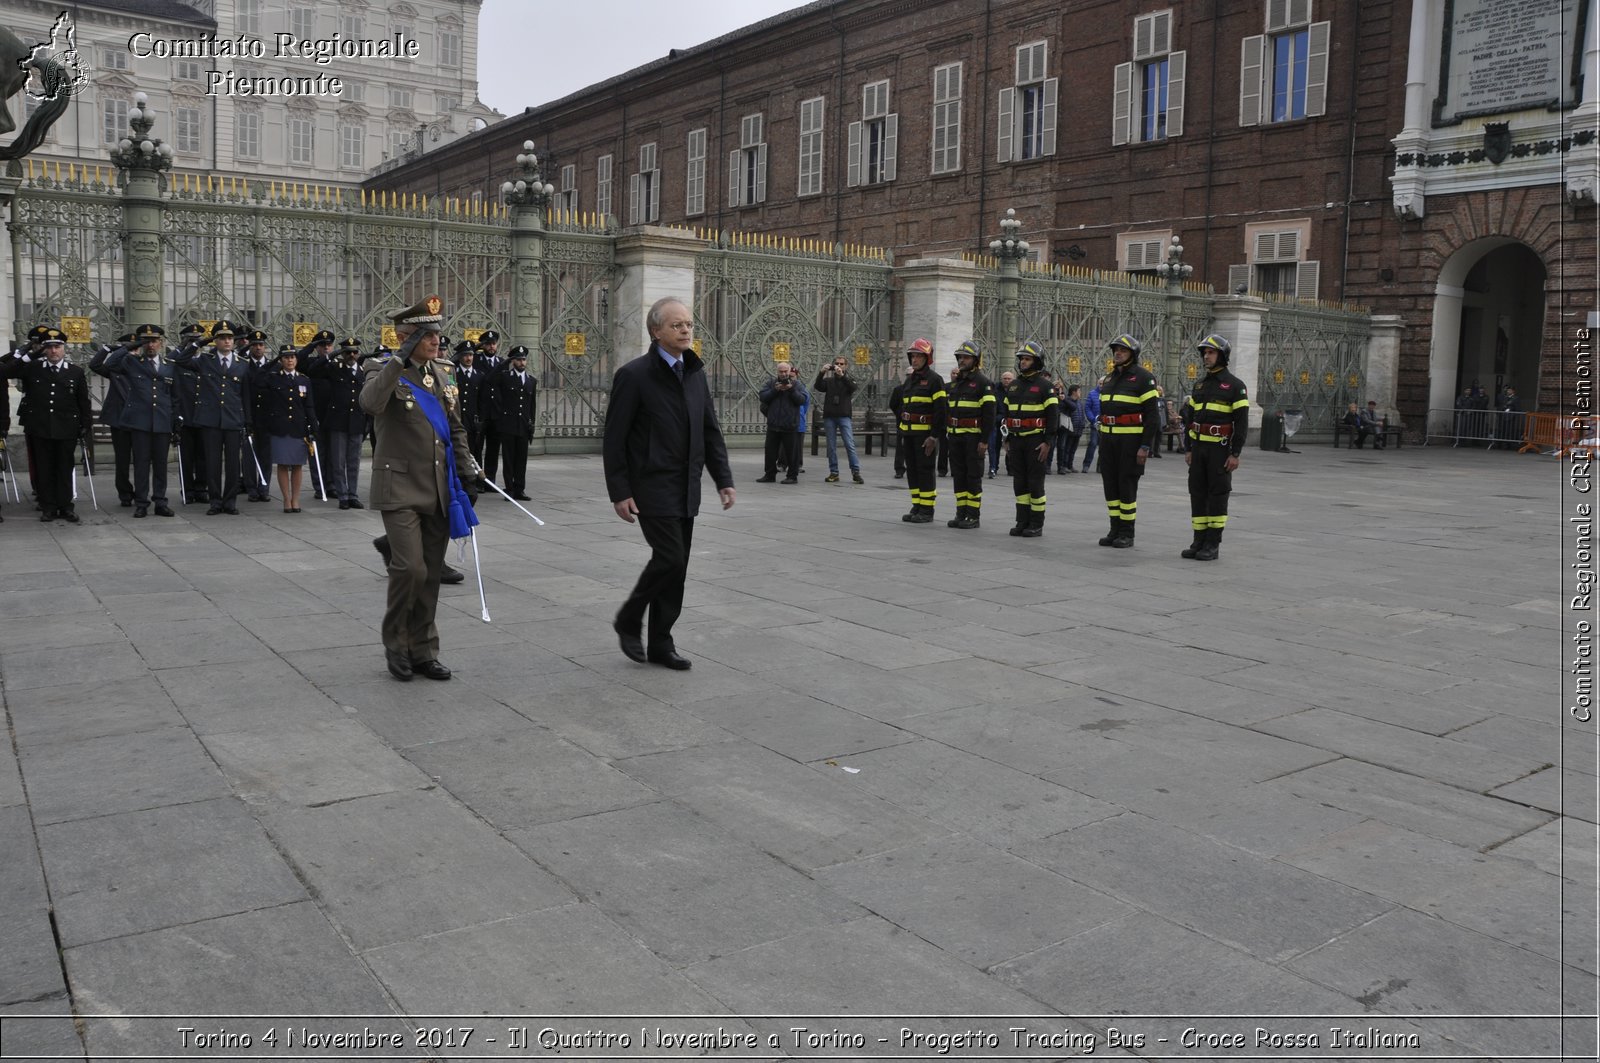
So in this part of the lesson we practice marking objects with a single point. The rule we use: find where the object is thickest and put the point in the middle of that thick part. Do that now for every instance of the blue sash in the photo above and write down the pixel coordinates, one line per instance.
(462, 518)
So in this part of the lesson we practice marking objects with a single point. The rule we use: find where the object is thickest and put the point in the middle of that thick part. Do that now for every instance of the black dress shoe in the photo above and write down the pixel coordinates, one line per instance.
(451, 575)
(232, 511)
(69, 516)
(381, 544)
(355, 503)
(632, 644)
(141, 511)
(126, 503)
(216, 507)
(46, 518)
(163, 511)
(766, 479)
(430, 669)
(399, 665)
(344, 503)
(671, 659)
(521, 496)
(789, 480)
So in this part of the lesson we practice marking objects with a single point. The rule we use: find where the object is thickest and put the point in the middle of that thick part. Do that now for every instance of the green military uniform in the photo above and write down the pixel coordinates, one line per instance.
(410, 490)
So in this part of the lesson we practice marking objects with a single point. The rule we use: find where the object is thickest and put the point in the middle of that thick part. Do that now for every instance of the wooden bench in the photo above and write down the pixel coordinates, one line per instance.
(1390, 432)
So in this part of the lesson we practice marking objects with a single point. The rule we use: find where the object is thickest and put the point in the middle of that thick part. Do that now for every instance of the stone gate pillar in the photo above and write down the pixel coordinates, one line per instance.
(940, 296)
(1240, 319)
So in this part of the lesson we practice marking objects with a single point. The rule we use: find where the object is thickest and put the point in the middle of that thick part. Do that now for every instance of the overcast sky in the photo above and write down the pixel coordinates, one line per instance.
(531, 53)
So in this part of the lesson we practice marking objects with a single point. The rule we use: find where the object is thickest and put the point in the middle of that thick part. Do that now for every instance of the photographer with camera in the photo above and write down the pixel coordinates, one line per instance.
(834, 384)
(781, 401)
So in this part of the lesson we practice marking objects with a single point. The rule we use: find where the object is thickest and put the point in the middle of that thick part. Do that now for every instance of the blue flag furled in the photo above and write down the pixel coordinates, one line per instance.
(462, 517)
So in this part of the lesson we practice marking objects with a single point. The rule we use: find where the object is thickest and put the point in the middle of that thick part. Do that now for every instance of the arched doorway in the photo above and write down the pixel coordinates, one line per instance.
(1488, 322)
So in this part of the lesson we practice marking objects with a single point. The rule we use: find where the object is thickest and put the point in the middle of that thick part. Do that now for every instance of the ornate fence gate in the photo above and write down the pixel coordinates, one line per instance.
(1311, 360)
(757, 305)
(579, 271)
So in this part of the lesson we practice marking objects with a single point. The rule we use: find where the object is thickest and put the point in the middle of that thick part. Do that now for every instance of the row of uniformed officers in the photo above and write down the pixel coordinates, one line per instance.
(964, 411)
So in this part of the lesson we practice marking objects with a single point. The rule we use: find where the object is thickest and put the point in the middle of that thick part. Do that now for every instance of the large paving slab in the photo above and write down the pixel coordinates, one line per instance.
(911, 770)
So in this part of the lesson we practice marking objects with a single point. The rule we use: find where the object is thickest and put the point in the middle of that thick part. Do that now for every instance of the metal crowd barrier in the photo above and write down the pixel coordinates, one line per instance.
(1547, 433)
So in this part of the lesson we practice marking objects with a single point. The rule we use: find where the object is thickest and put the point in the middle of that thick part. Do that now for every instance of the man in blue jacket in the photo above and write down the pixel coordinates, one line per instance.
(145, 383)
(223, 413)
(661, 433)
(782, 400)
(1091, 412)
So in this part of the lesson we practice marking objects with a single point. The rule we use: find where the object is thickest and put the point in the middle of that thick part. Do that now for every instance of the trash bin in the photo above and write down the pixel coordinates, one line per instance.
(1272, 431)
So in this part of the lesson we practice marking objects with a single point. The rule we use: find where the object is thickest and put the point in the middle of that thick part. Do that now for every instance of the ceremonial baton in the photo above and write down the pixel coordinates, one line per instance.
(513, 501)
(478, 568)
(177, 438)
(261, 477)
(11, 476)
(88, 473)
(311, 445)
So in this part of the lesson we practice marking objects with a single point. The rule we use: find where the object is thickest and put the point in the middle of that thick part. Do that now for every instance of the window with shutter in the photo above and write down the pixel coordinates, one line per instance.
(695, 177)
(1252, 62)
(946, 118)
(1122, 103)
(602, 185)
(747, 166)
(810, 158)
(872, 140)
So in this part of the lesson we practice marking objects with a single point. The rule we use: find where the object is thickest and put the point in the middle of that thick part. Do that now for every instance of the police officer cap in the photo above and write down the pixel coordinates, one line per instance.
(488, 337)
(465, 347)
(193, 328)
(426, 314)
(144, 333)
(349, 343)
(37, 333)
(255, 335)
(126, 337)
(518, 351)
(54, 337)
(323, 336)
(288, 350)
(222, 328)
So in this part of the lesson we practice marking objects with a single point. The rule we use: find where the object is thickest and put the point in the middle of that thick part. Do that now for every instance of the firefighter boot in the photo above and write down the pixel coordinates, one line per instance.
(1208, 549)
(1194, 548)
(1035, 526)
(1110, 537)
(1124, 539)
(1024, 518)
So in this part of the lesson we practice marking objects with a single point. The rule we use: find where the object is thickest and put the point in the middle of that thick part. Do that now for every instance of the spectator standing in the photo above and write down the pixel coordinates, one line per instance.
(998, 439)
(833, 383)
(1091, 415)
(782, 398)
(1073, 421)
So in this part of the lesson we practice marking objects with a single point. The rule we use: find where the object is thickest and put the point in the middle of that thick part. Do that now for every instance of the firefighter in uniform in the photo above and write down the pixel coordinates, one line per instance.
(971, 423)
(1129, 424)
(923, 409)
(1216, 417)
(1032, 418)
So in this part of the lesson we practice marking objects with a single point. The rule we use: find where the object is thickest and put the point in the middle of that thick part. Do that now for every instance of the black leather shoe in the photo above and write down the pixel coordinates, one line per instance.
(671, 659)
(344, 503)
(632, 645)
(141, 511)
(163, 511)
(522, 496)
(46, 518)
(766, 479)
(216, 507)
(430, 670)
(451, 575)
(126, 503)
(69, 516)
(790, 480)
(399, 665)
(381, 544)
(232, 511)
(355, 503)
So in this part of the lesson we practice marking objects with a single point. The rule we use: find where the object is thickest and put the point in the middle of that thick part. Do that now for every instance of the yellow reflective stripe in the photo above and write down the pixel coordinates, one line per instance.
(1121, 429)
(1031, 407)
(941, 394)
(1242, 404)
(1147, 396)
(1220, 407)
(916, 428)
(1136, 400)
(966, 404)
(988, 396)
(923, 398)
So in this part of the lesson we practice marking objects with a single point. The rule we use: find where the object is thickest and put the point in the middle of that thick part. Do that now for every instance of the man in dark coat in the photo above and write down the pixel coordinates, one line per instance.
(343, 424)
(145, 383)
(111, 417)
(469, 381)
(661, 432)
(508, 402)
(56, 418)
(223, 412)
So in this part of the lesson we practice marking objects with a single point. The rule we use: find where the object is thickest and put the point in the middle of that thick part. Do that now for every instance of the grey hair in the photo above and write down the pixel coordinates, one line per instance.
(653, 319)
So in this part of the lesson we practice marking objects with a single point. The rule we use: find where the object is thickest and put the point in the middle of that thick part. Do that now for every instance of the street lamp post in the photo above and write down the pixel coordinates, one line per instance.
(1175, 271)
(1010, 250)
(528, 196)
(142, 158)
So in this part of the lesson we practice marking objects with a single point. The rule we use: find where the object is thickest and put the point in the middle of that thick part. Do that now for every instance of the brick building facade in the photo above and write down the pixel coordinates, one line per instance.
(1272, 136)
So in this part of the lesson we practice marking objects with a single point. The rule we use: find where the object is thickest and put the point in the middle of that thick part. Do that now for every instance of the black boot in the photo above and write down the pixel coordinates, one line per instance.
(1194, 547)
(1024, 518)
(1035, 526)
(1208, 549)
(1124, 539)
(1110, 537)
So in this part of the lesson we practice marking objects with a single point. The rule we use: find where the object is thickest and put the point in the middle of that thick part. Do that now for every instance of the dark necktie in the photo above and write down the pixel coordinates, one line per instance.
(677, 367)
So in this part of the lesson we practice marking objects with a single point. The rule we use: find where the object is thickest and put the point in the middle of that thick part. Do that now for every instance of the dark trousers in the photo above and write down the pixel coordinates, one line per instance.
(944, 455)
(222, 464)
(799, 453)
(1028, 471)
(1119, 475)
(475, 441)
(660, 588)
(150, 467)
(781, 449)
(1089, 446)
(920, 475)
(417, 543)
(1209, 485)
(491, 452)
(997, 446)
(122, 459)
(966, 473)
(515, 452)
(191, 448)
(343, 458)
(899, 454)
(53, 465)
(1066, 447)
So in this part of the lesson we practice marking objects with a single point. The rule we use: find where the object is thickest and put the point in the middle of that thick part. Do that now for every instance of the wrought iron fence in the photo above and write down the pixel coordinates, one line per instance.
(1311, 360)
(579, 273)
(758, 302)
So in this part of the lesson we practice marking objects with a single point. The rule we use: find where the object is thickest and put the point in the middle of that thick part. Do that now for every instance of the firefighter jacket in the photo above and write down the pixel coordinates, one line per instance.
(924, 404)
(971, 401)
(1218, 410)
(1129, 405)
(1031, 407)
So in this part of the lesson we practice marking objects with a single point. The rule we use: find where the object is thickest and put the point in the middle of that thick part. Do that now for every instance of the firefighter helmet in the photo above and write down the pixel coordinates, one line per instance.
(970, 349)
(1128, 342)
(922, 347)
(1216, 343)
(1030, 349)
